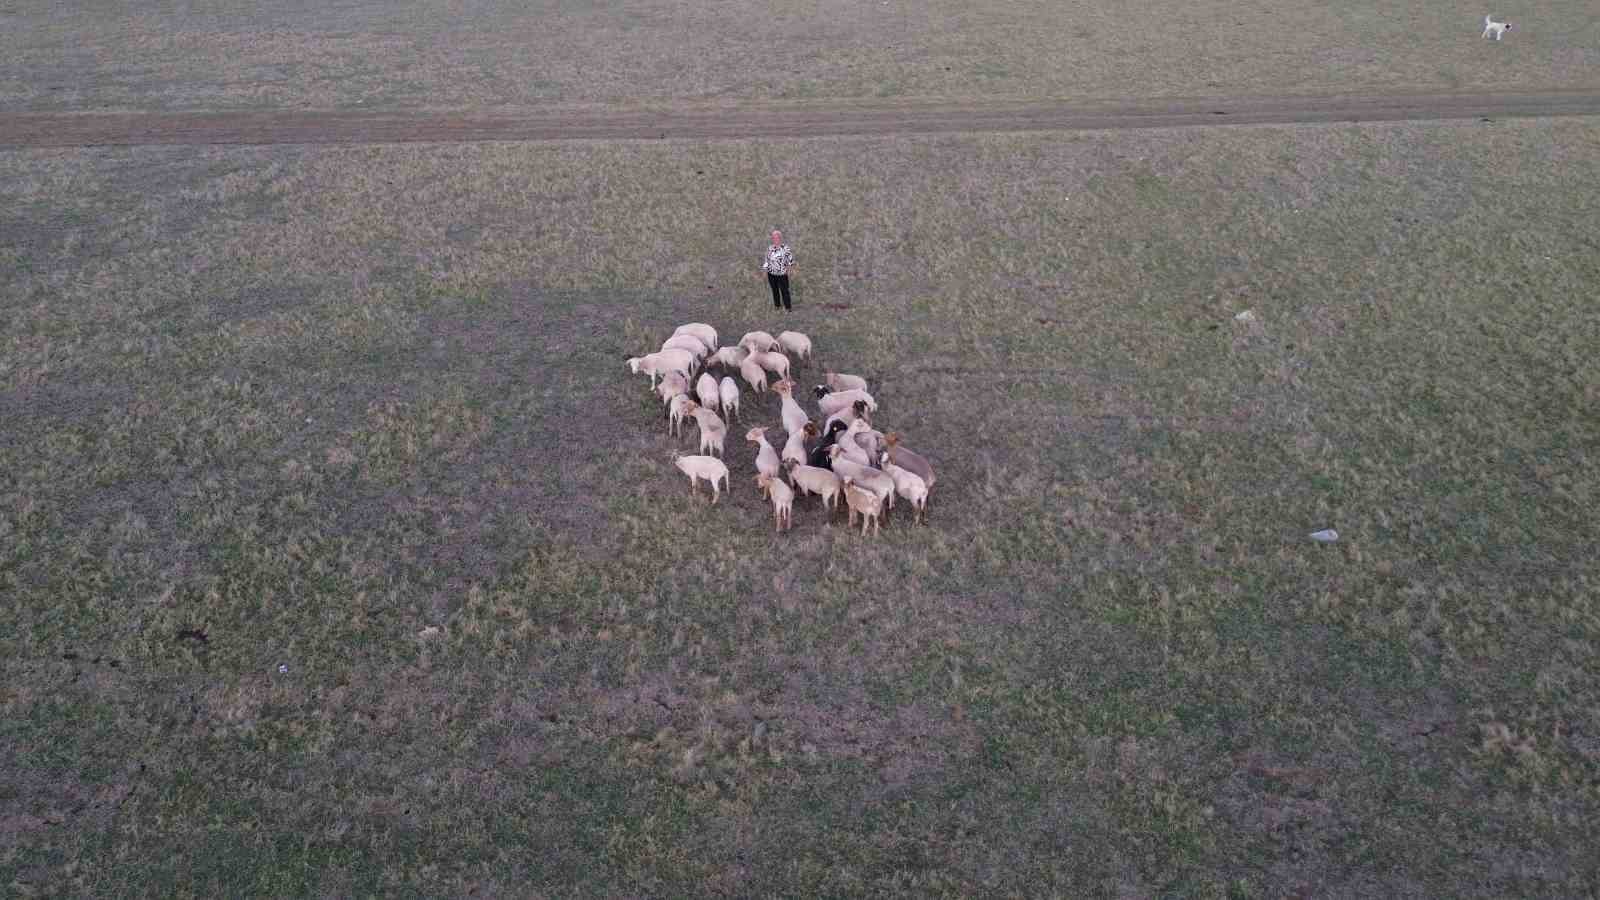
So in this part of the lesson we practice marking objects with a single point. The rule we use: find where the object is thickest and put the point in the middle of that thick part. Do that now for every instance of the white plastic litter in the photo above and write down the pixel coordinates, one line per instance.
(1246, 316)
(283, 669)
(1326, 536)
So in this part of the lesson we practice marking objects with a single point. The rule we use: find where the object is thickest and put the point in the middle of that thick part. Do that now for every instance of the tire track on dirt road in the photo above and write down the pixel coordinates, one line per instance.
(824, 119)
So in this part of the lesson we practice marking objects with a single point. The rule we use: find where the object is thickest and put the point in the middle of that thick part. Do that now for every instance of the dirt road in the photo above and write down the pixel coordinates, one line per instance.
(18, 130)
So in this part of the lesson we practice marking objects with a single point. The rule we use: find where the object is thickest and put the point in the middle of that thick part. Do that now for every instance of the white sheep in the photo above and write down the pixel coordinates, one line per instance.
(729, 357)
(839, 400)
(705, 333)
(728, 390)
(767, 462)
(773, 362)
(688, 343)
(909, 485)
(757, 341)
(782, 500)
(812, 480)
(677, 411)
(705, 390)
(851, 451)
(673, 384)
(754, 374)
(794, 418)
(713, 432)
(708, 467)
(849, 415)
(864, 475)
(854, 450)
(838, 382)
(863, 435)
(869, 504)
(658, 364)
(795, 344)
(795, 447)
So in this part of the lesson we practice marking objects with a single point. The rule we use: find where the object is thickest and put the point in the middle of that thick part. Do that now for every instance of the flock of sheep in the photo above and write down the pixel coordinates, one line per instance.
(844, 458)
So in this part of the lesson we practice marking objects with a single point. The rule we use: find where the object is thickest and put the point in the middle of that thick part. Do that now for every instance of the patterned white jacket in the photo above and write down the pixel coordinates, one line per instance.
(778, 260)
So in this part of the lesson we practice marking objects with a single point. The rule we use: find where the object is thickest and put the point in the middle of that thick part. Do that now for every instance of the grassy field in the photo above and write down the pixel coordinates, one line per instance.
(241, 54)
(309, 403)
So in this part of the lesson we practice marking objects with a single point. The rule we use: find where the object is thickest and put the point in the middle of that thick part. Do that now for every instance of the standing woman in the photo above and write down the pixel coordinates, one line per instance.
(780, 259)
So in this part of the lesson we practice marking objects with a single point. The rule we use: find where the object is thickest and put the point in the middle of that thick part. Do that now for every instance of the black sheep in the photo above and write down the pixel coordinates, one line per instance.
(819, 453)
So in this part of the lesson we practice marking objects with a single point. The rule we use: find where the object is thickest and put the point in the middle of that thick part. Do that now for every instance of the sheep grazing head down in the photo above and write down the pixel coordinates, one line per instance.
(755, 434)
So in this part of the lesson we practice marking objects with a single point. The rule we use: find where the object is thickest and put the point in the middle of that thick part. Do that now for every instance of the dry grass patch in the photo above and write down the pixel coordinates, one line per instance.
(360, 55)
(311, 403)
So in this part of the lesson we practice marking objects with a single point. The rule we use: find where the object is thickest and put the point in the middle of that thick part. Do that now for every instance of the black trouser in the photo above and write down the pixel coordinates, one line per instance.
(780, 290)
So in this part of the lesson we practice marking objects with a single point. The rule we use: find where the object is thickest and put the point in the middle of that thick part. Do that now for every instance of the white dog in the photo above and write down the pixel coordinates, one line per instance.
(1498, 29)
